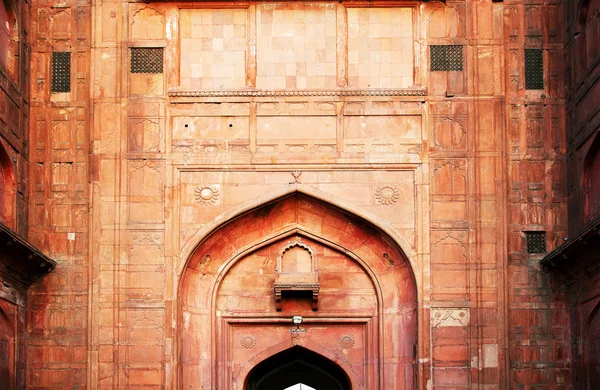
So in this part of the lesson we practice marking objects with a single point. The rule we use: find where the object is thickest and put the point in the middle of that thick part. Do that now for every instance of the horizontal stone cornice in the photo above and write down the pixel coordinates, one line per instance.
(298, 92)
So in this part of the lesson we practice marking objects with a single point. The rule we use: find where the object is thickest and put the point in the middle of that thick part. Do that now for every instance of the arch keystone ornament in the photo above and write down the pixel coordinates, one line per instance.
(305, 247)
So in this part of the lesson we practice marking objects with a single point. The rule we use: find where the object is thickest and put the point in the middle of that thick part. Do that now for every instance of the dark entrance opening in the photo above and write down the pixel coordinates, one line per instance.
(297, 365)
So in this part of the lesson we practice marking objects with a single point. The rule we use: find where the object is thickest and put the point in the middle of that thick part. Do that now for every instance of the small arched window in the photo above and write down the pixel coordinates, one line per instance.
(594, 194)
(587, 11)
(592, 180)
(582, 14)
(9, 38)
(7, 189)
(7, 351)
(592, 341)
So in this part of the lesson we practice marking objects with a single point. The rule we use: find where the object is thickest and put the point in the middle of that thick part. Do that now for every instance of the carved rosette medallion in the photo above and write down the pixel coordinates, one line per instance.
(346, 341)
(248, 341)
(207, 195)
(387, 194)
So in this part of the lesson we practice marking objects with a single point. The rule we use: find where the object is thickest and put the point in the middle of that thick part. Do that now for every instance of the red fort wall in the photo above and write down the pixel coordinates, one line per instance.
(335, 101)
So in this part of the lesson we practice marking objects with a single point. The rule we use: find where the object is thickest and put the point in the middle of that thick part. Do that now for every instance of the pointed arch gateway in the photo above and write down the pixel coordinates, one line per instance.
(349, 280)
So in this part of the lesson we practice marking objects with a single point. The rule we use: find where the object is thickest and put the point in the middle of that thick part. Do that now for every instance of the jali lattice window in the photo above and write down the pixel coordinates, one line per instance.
(446, 58)
(146, 60)
(534, 69)
(61, 71)
(536, 242)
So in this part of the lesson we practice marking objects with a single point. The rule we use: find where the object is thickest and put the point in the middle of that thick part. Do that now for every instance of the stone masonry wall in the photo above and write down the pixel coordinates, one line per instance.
(254, 98)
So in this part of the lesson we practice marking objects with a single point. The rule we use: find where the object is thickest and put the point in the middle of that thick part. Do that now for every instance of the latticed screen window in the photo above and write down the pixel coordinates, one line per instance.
(446, 57)
(61, 71)
(534, 69)
(146, 60)
(536, 242)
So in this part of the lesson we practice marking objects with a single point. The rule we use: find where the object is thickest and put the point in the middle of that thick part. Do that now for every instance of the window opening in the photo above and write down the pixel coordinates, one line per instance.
(9, 39)
(536, 242)
(534, 69)
(146, 60)
(61, 71)
(446, 58)
(594, 190)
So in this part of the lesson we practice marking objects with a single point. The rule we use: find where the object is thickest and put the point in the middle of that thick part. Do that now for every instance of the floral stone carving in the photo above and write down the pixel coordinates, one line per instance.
(387, 194)
(207, 195)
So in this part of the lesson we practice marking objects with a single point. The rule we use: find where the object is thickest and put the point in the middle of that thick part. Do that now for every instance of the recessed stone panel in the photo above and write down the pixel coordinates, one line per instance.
(295, 128)
(397, 128)
(211, 128)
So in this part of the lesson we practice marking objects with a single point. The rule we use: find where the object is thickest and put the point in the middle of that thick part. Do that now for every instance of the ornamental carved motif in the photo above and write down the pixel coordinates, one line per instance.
(302, 92)
(248, 341)
(346, 341)
(387, 194)
(207, 195)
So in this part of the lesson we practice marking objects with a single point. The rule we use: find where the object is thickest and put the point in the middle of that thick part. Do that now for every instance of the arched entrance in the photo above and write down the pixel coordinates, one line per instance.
(592, 345)
(7, 350)
(294, 366)
(297, 256)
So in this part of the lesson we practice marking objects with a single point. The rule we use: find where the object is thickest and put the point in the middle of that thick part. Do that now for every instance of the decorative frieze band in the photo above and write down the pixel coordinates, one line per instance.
(301, 92)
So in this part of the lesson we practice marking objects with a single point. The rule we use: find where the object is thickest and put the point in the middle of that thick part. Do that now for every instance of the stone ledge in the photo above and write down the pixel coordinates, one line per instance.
(21, 261)
(299, 92)
(578, 257)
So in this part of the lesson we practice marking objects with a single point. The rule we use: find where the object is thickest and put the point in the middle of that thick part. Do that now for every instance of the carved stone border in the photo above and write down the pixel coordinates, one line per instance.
(301, 92)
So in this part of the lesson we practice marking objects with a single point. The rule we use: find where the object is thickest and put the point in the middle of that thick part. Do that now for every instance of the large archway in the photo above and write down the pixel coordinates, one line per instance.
(297, 365)
(297, 256)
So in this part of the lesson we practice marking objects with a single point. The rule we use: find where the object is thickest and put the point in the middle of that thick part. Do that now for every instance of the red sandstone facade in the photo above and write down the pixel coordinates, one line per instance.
(215, 168)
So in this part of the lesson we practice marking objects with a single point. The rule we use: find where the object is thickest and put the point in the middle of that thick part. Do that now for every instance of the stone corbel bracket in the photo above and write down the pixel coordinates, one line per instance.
(313, 288)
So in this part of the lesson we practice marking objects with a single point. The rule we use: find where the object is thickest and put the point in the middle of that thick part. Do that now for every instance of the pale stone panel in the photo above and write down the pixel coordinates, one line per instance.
(295, 128)
(296, 46)
(213, 48)
(146, 83)
(382, 127)
(211, 127)
(448, 211)
(380, 47)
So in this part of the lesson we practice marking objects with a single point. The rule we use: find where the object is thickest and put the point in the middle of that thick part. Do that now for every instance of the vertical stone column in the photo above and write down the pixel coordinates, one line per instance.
(59, 152)
(536, 195)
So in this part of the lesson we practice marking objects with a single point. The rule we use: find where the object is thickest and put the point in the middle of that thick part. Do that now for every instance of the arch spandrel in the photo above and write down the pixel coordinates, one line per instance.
(269, 200)
(383, 322)
(297, 210)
